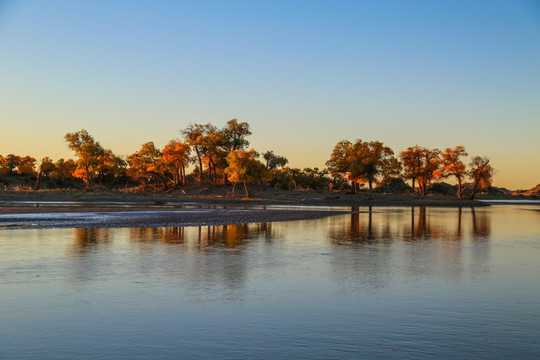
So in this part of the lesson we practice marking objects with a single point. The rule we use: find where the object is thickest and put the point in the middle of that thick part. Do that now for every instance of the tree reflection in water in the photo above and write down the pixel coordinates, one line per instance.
(85, 240)
(433, 239)
(376, 226)
(203, 237)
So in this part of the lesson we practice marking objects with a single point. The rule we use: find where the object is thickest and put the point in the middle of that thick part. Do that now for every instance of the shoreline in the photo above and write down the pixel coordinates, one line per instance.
(145, 218)
(77, 209)
(74, 209)
(219, 197)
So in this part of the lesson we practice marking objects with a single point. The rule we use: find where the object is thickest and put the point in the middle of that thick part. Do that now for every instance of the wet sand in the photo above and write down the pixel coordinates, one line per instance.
(72, 209)
(99, 217)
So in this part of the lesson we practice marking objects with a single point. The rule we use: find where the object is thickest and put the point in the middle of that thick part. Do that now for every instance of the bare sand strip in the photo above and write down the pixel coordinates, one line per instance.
(153, 218)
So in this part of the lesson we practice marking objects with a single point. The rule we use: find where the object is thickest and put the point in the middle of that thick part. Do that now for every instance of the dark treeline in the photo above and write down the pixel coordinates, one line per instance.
(222, 157)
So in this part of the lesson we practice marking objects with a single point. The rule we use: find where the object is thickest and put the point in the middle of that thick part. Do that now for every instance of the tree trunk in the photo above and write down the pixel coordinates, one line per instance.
(38, 179)
(459, 187)
(370, 190)
(353, 184)
(413, 184)
(183, 180)
(233, 187)
(214, 172)
(473, 192)
(200, 164)
(246, 188)
(422, 184)
(88, 177)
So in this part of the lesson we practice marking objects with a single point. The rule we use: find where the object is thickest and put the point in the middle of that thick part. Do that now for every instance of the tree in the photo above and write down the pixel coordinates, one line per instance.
(12, 162)
(146, 164)
(368, 161)
(390, 169)
(176, 158)
(45, 169)
(27, 166)
(430, 165)
(231, 138)
(453, 166)
(243, 167)
(234, 135)
(88, 152)
(110, 167)
(3, 165)
(47, 166)
(412, 163)
(195, 136)
(363, 162)
(274, 161)
(339, 162)
(481, 173)
(420, 164)
(214, 155)
(63, 171)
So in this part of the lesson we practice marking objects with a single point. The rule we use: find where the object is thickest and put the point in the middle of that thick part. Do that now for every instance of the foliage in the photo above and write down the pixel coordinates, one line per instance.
(196, 136)
(244, 167)
(453, 166)
(363, 162)
(220, 155)
(88, 152)
(146, 164)
(175, 159)
(481, 173)
(420, 164)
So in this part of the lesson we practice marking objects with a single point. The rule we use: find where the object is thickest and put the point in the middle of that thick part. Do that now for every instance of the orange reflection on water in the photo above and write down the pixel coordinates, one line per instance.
(371, 225)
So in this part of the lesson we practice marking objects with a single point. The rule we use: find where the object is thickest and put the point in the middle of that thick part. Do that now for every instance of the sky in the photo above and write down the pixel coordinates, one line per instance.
(303, 74)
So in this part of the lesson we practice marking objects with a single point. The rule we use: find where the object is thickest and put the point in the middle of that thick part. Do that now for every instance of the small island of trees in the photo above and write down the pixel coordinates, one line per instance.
(222, 157)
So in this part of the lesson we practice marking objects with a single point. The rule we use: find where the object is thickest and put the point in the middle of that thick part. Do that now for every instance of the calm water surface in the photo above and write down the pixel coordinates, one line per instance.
(390, 283)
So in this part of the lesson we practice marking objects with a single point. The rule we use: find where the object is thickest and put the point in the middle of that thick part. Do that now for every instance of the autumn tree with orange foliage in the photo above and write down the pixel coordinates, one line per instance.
(339, 165)
(63, 171)
(11, 162)
(88, 152)
(146, 164)
(370, 160)
(420, 165)
(481, 173)
(27, 166)
(431, 163)
(211, 146)
(453, 166)
(243, 167)
(195, 136)
(110, 168)
(363, 162)
(176, 158)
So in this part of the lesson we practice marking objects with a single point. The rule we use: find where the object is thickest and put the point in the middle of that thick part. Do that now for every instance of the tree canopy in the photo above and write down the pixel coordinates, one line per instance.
(219, 156)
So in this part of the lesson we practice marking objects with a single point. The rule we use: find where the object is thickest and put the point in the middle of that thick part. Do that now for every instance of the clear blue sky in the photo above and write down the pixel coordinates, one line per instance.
(303, 74)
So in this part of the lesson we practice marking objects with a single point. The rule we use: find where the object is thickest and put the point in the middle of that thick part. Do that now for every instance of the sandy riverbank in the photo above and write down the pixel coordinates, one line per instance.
(221, 196)
(140, 217)
(194, 207)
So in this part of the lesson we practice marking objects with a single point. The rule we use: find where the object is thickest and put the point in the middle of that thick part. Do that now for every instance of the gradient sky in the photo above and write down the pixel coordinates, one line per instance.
(303, 74)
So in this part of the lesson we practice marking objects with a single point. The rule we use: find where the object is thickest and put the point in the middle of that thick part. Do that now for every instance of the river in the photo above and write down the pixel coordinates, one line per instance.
(390, 282)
